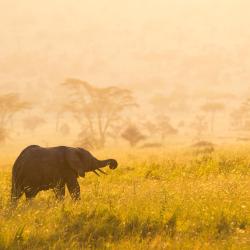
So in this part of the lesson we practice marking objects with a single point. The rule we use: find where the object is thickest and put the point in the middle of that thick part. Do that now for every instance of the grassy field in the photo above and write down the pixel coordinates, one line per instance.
(156, 199)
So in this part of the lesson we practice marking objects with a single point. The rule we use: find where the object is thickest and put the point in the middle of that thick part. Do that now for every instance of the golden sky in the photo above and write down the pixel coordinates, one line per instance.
(194, 49)
(192, 42)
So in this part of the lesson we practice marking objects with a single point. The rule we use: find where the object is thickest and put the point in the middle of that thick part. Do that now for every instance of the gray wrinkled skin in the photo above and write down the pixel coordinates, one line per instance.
(38, 168)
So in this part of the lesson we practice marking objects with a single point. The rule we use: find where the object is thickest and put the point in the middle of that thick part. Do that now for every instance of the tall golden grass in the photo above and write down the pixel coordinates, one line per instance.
(156, 199)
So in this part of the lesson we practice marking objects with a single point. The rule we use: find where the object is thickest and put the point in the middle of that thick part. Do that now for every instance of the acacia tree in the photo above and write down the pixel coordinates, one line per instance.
(241, 116)
(160, 126)
(164, 127)
(199, 125)
(133, 135)
(10, 105)
(212, 108)
(98, 110)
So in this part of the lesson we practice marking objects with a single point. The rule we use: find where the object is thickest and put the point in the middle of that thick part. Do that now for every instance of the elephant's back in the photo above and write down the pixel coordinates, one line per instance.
(23, 157)
(36, 154)
(36, 164)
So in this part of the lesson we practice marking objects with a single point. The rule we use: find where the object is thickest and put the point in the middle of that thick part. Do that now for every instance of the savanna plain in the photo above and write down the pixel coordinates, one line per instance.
(179, 198)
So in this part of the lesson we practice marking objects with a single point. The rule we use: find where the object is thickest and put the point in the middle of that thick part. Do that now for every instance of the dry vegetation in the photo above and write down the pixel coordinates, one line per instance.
(164, 199)
(130, 80)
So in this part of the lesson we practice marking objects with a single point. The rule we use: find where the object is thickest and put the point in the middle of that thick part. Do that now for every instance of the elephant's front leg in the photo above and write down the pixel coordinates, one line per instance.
(59, 191)
(30, 192)
(74, 188)
(16, 193)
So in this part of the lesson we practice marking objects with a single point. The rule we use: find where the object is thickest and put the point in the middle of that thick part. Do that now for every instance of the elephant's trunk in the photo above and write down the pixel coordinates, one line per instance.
(110, 162)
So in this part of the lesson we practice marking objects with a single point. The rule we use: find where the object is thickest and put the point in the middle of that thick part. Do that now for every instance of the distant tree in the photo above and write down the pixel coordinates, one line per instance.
(87, 140)
(240, 118)
(33, 122)
(161, 126)
(212, 108)
(164, 127)
(10, 105)
(199, 125)
(133, 135)
(96, 109)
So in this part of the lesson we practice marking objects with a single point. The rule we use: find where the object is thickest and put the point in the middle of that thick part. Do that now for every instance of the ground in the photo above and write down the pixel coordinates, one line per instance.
(178, 198)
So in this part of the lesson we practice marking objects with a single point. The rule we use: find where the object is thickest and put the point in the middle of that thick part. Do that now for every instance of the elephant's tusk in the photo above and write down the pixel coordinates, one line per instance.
(96, 173)
(102, 171)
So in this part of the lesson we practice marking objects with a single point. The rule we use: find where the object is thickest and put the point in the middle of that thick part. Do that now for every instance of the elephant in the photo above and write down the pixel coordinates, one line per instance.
(41, 168)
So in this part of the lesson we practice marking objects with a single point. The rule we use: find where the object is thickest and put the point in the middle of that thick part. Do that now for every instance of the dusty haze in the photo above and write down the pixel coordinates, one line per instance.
(175, 56)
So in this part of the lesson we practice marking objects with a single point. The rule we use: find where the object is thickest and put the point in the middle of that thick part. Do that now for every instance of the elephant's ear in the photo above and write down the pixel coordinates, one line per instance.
(74, 161)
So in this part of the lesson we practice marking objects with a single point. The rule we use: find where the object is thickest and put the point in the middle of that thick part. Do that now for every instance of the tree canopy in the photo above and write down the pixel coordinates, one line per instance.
(98, 110)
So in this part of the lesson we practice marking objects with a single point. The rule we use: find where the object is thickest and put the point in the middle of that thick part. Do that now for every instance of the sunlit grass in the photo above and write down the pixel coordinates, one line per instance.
(166, 199)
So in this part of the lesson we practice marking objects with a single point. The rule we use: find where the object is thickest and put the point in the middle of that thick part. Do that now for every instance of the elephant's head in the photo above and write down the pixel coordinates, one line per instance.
(82, 161)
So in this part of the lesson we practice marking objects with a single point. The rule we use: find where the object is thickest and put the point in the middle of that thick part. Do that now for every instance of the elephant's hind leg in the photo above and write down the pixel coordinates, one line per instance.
(59, 191)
